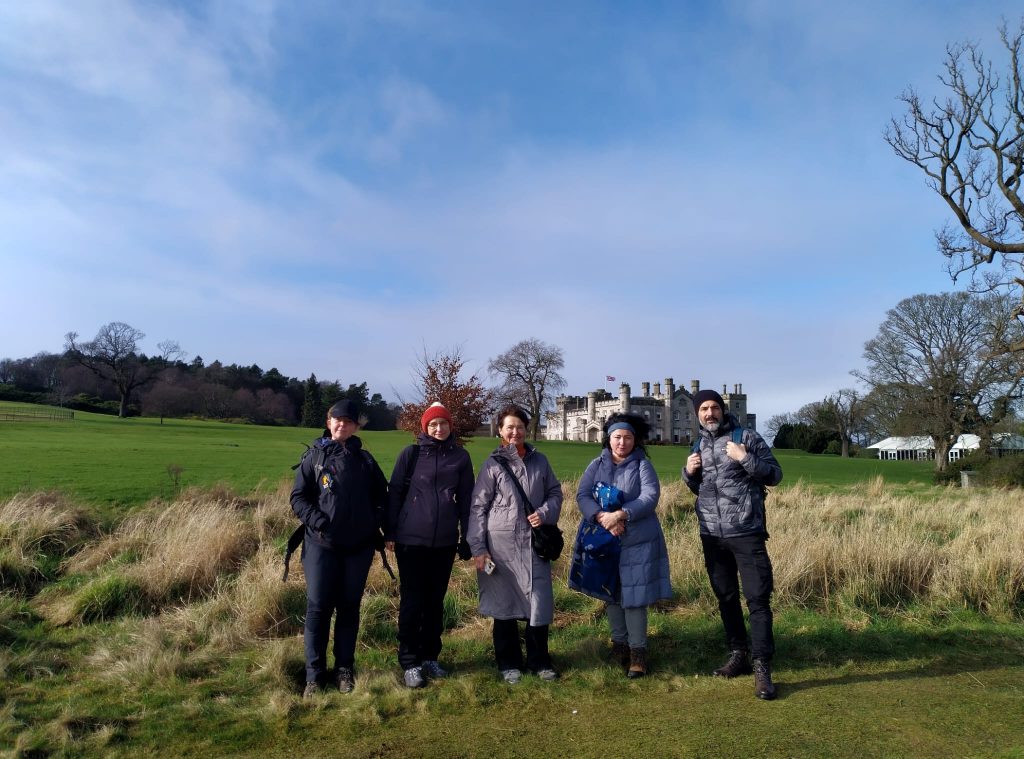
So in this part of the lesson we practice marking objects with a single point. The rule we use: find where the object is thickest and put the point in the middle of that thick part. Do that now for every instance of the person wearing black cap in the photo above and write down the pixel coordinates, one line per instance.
(728, 470)
(428, 509)
(340, 495)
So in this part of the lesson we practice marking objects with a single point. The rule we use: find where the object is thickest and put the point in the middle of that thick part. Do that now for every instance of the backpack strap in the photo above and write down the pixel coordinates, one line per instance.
(372, 462)
(410, 469)
(299, 533)
(294, 541)
(737, 437)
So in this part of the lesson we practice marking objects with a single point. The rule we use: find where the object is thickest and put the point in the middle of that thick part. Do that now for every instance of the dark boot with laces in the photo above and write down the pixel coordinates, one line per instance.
(764, 688)
(738, 664)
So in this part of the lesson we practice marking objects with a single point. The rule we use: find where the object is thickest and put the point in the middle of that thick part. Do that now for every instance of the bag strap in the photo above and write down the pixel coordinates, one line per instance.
(737, 437)
(410, 469)
(519, 487)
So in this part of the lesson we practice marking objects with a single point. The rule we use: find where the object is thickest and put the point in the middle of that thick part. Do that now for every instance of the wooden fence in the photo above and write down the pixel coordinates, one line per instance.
(29, 413)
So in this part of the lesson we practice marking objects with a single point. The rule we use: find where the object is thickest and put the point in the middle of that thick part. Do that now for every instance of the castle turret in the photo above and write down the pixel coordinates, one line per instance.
(624, 397)
(667, 416)
(645, 389)
(591, 405)
(736, 403)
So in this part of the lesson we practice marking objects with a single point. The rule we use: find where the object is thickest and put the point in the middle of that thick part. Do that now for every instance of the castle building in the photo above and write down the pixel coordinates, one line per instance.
(668, 410)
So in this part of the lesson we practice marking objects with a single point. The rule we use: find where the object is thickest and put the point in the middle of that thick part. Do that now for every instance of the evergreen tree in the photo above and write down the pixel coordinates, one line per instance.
(313, 411)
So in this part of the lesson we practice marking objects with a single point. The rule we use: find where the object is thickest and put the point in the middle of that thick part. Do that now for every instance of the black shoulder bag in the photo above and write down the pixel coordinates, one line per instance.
(547, 539)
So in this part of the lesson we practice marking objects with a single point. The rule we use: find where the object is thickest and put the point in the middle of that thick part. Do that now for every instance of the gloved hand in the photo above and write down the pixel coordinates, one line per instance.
(464, 553)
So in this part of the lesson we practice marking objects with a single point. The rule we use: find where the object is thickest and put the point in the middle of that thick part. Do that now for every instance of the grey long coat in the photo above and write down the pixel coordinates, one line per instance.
(520, 586)
(643, 563)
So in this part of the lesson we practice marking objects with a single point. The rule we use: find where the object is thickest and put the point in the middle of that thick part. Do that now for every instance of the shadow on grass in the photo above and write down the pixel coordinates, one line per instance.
(693, 646)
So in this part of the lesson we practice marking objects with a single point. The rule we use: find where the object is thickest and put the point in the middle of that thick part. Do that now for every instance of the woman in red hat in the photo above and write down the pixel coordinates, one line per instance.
(428, 514)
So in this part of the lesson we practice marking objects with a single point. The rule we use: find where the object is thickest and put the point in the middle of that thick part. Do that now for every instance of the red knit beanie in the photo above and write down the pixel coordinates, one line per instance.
(434, 411)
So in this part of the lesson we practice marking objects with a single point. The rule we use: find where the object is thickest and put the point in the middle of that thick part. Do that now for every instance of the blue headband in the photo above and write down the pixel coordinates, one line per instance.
(622, 426)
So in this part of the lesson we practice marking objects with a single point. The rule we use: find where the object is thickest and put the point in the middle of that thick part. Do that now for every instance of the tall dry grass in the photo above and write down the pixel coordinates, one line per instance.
(205, 570)
(33, 527)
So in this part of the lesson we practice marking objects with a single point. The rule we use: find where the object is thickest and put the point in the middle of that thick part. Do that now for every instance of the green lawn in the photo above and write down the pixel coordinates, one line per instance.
(905, 680)
(124, 462)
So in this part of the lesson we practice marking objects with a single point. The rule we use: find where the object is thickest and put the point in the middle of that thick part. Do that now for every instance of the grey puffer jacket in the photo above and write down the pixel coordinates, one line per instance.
(520, 586)
(730, 500)
(643, 562)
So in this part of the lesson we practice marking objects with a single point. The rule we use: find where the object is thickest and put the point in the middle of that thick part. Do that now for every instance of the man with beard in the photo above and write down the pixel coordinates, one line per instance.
(728, 470)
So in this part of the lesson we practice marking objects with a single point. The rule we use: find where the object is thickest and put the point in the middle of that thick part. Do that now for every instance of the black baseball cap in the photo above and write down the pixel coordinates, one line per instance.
(345, 409)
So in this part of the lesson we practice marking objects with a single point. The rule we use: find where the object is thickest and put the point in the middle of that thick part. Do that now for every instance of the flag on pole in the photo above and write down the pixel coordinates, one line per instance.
(609, 378)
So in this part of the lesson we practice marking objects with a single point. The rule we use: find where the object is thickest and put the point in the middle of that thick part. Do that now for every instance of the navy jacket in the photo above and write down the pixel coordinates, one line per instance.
(342, 507)
(435, 511)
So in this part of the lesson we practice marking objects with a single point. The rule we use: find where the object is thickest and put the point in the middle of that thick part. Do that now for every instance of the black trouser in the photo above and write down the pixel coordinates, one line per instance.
(423, 579)
(747, 556)
(334, 582)
(508, 652)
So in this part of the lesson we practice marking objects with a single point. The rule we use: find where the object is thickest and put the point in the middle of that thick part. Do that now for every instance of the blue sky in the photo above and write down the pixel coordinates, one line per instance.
(685, 189)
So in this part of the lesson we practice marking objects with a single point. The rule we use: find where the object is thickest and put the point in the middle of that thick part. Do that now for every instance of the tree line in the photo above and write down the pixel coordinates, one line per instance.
(112, 374)
(940, 366)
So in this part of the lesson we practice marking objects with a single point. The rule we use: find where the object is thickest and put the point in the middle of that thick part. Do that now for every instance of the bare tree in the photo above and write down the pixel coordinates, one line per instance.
(943, 361)
(971, 148)
(529, 373)
(774, 423)
(113, 356)
(841, 413)
(170, 351)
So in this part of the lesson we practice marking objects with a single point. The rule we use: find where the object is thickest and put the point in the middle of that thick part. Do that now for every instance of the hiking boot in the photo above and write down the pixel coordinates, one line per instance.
(312, 690)
(547, 674)
(620, 653)
(764, 688)
(511, 676)
(738, 664)
(637, 663)
(345, 679)
(432, 669)
(414, 678)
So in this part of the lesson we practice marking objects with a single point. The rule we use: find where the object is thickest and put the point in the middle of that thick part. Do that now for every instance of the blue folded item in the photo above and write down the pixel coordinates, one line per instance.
(595, 558)
(608, 497)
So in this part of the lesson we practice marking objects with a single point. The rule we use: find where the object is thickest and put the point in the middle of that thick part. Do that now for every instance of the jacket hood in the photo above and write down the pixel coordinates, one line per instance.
(426, 441)
(509, 452)
(328, 444)
(635, 454)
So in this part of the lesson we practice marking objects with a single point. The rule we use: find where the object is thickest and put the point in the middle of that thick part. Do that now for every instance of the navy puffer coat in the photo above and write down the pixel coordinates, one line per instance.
(643, 562)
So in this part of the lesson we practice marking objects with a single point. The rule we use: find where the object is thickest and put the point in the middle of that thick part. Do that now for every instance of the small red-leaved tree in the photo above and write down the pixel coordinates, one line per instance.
(439, 378)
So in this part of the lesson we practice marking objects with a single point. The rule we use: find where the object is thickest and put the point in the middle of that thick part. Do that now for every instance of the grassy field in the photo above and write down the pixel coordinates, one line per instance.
(129, 625)
(104, 460)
